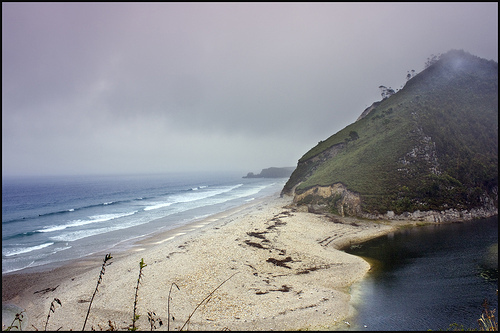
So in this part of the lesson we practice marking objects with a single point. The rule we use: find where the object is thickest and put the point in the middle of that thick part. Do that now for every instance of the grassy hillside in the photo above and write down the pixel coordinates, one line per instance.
(431, 145)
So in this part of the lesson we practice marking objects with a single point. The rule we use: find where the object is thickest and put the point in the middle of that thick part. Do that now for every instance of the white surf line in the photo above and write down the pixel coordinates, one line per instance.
(140, 249)
(206, 222)
(198, 225)
(203, 223)
(166, 239)
(170, 238)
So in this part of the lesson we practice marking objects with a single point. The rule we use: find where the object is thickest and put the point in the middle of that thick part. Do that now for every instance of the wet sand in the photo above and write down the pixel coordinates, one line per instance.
(283, 267)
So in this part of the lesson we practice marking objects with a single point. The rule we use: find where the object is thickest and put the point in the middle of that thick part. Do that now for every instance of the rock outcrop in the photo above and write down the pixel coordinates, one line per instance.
(336, 198)
(339, 200)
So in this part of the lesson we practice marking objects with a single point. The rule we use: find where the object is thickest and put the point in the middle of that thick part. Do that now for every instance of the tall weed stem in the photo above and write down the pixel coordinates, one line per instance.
(136, 316)
(209, 295)
(52, 309)
(168, 304)
(101, 274)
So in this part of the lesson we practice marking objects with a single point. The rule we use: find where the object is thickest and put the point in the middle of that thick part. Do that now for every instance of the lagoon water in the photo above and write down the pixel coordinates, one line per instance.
(428, 277)
(49, 220)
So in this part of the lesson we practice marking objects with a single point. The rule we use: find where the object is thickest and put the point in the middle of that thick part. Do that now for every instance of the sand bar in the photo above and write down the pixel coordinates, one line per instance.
(284, 268)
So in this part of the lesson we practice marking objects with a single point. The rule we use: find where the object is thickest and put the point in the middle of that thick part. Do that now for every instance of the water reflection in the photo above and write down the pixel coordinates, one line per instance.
(428, 277)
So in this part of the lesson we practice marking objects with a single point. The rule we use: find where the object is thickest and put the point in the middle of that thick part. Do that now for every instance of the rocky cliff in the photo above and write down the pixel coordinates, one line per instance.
(427, 152)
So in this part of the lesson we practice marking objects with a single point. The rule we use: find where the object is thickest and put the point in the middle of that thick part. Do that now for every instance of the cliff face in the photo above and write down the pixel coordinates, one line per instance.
(428, 152)
(339, 200)
(306, 168)
(337, 197)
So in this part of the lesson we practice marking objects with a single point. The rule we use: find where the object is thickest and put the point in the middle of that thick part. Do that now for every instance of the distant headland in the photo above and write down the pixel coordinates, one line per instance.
(272, 173)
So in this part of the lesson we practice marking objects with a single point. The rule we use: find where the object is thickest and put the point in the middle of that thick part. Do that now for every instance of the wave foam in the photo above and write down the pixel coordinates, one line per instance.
(28, 249)
(93, 219)
(158, 205)
(192, 195)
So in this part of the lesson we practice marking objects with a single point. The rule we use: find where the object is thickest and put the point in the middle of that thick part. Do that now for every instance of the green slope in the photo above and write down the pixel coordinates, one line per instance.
(431, 146)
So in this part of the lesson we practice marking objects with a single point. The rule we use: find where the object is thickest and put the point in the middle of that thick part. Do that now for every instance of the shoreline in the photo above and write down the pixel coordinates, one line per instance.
(288, 274)
(123, 247)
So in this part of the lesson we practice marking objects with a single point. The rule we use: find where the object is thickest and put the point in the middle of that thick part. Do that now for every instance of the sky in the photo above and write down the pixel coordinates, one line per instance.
(117, 88)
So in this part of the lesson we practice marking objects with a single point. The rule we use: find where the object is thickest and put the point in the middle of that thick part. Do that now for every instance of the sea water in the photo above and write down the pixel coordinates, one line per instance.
(47, 220)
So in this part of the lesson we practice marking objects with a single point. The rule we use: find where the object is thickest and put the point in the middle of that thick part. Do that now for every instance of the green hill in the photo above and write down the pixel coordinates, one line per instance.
(433, 145)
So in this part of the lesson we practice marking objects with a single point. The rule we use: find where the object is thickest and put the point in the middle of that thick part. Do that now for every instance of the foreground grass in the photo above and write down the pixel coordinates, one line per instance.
(154, 321)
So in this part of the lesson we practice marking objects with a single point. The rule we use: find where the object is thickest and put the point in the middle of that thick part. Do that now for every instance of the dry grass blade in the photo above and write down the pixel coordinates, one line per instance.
(208, 296)
(168, 304)
(52, 309)
(101, 274)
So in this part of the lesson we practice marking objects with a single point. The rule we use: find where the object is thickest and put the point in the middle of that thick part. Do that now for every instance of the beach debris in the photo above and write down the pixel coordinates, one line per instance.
(257, 234)
(284, 288)
(312, 269)
(257, 245)
(281, 263)
(46, 290)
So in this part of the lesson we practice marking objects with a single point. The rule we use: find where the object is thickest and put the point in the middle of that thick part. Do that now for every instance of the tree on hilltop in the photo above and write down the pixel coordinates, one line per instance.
(386, 92)
(432, 60)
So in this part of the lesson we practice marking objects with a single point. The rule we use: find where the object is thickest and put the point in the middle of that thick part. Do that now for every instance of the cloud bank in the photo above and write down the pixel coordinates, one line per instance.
(159, 87)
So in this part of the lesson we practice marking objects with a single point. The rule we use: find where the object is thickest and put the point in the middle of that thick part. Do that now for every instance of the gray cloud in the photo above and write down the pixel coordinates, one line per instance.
(134, 87)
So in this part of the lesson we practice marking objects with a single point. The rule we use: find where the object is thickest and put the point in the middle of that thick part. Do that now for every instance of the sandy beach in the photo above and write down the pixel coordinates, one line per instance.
(283, 267)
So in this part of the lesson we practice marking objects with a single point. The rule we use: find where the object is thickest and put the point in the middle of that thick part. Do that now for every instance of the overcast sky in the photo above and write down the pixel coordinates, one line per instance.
(156, 87)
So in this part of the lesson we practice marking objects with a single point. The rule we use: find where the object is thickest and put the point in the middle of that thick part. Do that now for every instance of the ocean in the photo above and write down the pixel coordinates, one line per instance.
(49, 220)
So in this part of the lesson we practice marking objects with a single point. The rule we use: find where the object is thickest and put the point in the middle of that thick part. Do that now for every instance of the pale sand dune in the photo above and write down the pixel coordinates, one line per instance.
(288, 274)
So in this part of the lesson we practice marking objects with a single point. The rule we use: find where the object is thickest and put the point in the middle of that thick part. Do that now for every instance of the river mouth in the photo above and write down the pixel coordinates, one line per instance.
(428, 277)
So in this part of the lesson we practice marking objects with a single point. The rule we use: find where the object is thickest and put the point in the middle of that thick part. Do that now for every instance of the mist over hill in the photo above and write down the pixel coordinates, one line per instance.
(431, 146)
